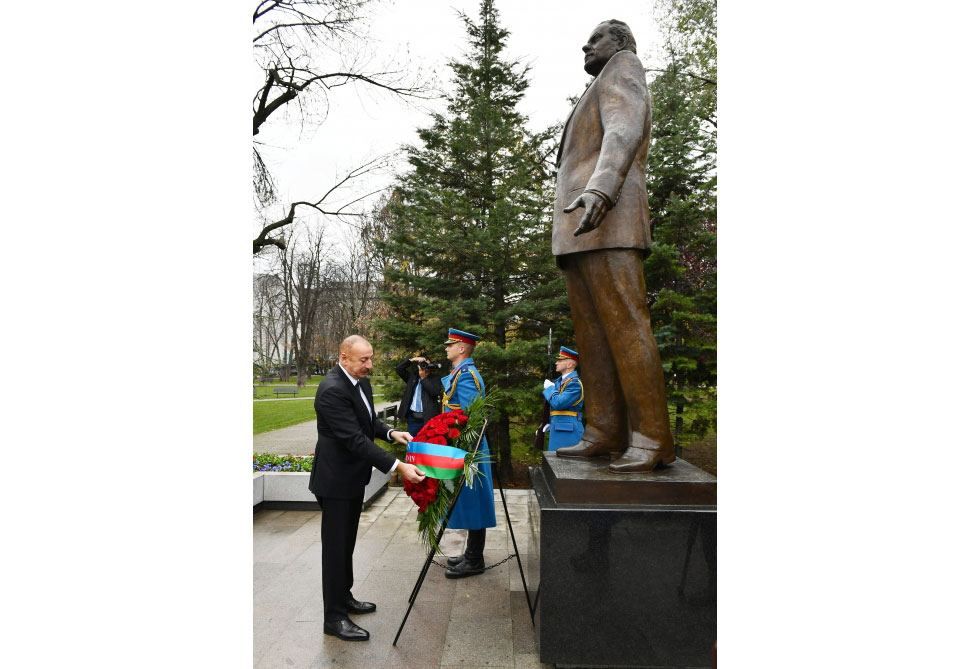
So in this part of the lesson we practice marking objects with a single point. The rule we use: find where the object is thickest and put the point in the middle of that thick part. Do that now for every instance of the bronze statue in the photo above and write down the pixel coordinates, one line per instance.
(601, 168)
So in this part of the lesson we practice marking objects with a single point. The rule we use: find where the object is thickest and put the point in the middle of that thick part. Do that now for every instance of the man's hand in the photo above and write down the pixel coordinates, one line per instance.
(401, 437)
(548, 383)
(418, 360)
(595, 209)
(410, 472)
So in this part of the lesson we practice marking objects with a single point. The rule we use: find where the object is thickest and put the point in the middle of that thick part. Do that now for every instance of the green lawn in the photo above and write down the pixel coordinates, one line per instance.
(264, 390)
(274, 415)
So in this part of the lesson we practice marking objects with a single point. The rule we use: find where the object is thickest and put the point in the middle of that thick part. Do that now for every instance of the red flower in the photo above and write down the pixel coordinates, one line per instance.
(423, 493)
(438, 430)
(442, 427)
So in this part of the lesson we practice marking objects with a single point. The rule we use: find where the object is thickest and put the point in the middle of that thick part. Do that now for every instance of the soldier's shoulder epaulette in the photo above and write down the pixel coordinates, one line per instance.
(475, 376)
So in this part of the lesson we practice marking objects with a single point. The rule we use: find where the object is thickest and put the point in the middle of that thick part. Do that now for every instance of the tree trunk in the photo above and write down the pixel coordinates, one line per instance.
(503, 425)
(302, 366)
(499, 436)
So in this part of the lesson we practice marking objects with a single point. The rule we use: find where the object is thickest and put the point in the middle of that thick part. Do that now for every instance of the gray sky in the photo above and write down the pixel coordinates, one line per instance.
(364, 123)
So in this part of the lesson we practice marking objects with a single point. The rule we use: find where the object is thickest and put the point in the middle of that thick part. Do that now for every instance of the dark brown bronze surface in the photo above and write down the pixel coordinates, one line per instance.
(600, 237)
(575, 481)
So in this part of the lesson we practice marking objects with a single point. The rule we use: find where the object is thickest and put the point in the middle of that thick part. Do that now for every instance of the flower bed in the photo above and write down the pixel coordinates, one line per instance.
(270, 462)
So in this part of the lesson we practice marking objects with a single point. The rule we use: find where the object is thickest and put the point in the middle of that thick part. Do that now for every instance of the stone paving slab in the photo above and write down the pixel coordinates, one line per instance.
(297, 439)
(481, 621)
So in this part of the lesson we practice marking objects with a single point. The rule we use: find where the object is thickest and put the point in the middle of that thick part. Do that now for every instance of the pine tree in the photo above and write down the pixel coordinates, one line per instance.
(468, 237)
(681, 272)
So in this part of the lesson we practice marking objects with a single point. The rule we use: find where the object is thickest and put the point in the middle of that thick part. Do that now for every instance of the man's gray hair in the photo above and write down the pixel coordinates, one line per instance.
(620, 31)
(350, 342)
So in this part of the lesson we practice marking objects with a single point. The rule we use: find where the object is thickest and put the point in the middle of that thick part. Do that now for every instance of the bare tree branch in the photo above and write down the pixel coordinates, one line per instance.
(684, 72)
(371, 165)
(306, 48)
(294, 87)
(334, 27)
(264, 8)
(263, 185)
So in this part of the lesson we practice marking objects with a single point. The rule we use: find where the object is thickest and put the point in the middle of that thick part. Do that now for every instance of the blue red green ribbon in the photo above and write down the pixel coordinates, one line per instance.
(436, 460)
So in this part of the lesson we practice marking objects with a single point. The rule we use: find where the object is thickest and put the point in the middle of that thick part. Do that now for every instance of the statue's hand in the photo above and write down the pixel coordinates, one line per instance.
(595, 209)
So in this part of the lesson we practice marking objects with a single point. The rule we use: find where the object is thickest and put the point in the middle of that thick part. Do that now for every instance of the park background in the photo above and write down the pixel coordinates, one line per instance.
(451, 226)
(846, 359)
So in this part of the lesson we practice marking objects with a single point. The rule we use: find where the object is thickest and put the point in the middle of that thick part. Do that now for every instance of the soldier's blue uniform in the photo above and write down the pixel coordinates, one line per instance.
(474, 510)
(566, 398)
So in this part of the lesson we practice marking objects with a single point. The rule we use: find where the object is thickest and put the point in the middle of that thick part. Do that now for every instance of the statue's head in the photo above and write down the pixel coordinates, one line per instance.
(607, 39)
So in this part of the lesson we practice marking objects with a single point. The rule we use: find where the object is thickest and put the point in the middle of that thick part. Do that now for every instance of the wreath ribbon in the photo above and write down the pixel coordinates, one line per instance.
(436, 460)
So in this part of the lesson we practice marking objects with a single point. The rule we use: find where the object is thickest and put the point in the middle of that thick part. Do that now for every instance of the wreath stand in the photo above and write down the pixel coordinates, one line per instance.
(431, 554)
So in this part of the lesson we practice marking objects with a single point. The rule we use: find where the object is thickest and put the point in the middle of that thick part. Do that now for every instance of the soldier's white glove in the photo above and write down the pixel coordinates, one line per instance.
(548, 383)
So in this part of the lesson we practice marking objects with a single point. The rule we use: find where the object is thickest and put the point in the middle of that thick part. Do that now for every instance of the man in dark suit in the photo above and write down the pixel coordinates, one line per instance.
(421, 399)
(601, 171)
(345, 452)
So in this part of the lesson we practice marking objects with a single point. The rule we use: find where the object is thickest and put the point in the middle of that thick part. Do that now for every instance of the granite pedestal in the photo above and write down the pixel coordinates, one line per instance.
(628, 564)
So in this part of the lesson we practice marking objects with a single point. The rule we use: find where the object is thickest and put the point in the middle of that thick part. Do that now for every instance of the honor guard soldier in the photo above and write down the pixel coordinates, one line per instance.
(475, 510)
(567, 401)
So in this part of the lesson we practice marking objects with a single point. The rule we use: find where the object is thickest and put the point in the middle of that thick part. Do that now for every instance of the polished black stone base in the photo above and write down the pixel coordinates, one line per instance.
(625, 585)
(590, 482)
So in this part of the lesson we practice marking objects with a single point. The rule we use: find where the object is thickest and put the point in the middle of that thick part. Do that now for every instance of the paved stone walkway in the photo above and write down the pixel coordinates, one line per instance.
(299, 439)
(481, 621)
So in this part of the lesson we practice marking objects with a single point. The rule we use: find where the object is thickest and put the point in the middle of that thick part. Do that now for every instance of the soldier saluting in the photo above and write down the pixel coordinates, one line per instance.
(565, 398)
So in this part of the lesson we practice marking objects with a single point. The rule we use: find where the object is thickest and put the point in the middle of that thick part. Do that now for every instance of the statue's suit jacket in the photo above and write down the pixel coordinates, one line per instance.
(604, 148)
(345, 448)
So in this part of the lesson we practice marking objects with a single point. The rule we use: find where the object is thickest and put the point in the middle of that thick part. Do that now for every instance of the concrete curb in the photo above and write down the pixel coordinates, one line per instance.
(290, 490)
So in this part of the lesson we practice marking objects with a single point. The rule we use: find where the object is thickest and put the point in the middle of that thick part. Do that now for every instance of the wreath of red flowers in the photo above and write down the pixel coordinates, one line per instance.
(433, 496)
(443, 428)
(440, 429)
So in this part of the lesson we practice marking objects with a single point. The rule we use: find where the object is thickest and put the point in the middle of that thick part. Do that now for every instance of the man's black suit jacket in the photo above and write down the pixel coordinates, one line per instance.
(345, 448)
(431, 391)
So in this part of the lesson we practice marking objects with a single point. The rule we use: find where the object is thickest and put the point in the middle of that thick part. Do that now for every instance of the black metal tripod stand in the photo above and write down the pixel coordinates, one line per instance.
(438, 538)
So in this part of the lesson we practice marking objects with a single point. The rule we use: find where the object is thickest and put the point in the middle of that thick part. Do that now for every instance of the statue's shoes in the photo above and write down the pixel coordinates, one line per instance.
(585, 449)
(641, 460)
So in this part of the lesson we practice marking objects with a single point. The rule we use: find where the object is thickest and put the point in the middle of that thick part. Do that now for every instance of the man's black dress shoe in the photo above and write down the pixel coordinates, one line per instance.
(346, 629)
(466, 567)
(354, 606)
